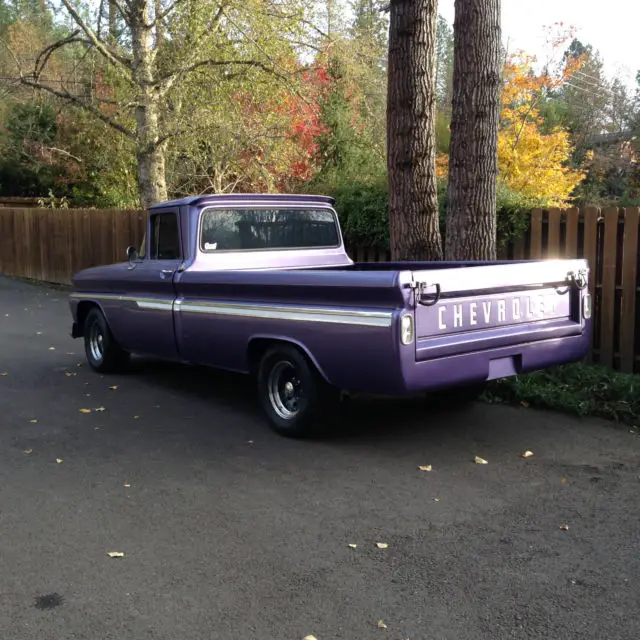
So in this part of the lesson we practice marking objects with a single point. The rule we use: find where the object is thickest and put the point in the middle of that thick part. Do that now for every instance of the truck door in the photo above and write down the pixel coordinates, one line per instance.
(148, 322)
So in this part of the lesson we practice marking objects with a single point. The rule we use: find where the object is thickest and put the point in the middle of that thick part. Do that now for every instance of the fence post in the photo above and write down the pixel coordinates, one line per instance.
(536, 234)
(553, 244)
(571, 236)
(608, 296)
(629, 284)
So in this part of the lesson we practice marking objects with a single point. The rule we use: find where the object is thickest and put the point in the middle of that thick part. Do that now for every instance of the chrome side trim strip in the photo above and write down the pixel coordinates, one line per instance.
(303, 314)
(156, 304)
(274, 312)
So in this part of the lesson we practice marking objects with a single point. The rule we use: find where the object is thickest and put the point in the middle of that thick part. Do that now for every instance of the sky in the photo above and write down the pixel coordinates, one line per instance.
(610, 26)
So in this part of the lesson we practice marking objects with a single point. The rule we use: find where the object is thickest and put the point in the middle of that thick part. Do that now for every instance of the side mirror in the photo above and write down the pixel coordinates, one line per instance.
(132, 253)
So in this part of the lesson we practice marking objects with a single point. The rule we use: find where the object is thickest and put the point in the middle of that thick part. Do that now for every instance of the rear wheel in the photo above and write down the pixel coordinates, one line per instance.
(295, 398)
(103, 353)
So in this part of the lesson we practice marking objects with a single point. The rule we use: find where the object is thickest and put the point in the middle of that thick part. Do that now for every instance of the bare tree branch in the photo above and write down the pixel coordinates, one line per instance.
(167, 81)
(62, 152)
(117, 60)
(164, 14)
(45, 54)
(65, 95)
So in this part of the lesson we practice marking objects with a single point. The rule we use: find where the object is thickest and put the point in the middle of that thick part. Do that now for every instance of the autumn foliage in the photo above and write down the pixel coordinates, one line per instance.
(533, 160)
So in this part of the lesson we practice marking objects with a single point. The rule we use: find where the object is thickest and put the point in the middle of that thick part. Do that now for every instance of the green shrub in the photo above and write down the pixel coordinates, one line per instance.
(362, 207)
(579, 389)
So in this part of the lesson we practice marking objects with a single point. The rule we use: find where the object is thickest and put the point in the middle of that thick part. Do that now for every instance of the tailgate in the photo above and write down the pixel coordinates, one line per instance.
(479, 307)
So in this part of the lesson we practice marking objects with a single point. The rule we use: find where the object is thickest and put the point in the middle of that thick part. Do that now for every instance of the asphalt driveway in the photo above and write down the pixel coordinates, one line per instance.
(229, 531)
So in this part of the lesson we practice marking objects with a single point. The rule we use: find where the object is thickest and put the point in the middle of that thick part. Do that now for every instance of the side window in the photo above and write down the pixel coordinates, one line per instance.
(165, 237)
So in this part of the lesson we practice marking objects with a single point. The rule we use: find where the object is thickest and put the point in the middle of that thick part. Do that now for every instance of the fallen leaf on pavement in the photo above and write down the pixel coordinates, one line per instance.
(3, 373)
(38, 333)
(28, 452)
(478, 460)
(425, 467)
(436, 499)
(99, 409)
(136, 417)
(381, 625)
(52, 348)
(382, 545)
(527, 454)
(69, 374)
(309, 638)
(564, 481)
(80, 364)
(84, 410)
(126, 484)
(114, 388)
(353, 546)
(525, 404)
(33, 421)
(564, 527)
(115, 554)
(59, 460)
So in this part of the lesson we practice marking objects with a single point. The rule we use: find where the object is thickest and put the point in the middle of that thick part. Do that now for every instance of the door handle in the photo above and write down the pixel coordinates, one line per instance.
(166, 272)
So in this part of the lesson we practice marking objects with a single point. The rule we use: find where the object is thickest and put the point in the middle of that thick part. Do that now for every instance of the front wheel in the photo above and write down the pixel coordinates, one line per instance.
(294, 397)
(103, 353)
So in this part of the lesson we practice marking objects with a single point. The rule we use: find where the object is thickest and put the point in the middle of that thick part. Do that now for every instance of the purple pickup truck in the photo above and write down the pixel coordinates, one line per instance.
(262, 284)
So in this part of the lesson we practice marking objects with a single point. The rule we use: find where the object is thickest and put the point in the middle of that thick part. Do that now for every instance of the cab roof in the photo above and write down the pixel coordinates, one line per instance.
(239, 198)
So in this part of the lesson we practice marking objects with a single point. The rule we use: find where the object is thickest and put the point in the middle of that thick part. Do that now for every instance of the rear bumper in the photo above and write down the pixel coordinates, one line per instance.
(490, 364)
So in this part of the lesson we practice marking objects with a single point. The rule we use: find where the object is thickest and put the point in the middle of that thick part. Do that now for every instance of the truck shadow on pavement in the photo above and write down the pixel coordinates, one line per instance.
(357, 417)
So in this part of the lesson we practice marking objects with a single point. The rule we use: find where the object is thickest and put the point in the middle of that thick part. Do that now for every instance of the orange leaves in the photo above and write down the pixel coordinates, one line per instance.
(531, 161)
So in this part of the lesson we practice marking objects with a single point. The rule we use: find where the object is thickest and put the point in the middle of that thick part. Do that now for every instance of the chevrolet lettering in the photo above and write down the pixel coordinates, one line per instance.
(262, 284)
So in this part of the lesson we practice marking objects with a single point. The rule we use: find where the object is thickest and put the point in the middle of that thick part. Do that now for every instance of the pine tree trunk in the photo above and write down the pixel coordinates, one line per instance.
(473, 157)
(411, 108)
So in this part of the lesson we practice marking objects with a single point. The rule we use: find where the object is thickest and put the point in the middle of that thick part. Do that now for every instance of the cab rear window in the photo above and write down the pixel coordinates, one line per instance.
(263, 229)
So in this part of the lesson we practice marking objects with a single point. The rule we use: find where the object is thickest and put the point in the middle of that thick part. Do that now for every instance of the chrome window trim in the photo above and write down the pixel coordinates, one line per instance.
(270, 205)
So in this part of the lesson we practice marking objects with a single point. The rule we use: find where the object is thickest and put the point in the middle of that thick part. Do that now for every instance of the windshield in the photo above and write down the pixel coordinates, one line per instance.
(260, 229)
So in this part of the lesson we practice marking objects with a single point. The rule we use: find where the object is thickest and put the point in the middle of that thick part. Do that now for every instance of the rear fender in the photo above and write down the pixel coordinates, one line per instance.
(259, 343)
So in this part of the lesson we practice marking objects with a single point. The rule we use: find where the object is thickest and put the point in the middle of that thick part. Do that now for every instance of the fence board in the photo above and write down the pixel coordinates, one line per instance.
(590, 249)
(607, 313)
(628, 321)
(571, 236)
(519, 248)
(553, 244)
(536, 234)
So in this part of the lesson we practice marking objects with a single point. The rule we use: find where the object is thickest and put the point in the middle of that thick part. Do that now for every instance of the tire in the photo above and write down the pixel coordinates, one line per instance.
(103, 353)
(297, 401)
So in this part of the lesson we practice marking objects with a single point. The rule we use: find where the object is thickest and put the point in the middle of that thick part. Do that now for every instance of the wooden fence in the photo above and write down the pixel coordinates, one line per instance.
(52, 244)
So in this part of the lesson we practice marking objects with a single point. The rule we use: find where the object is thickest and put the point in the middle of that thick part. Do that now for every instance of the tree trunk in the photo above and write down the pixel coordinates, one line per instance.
(113, 25)
(152, 186)
(411, 108)
(150, 148)
(473, 158)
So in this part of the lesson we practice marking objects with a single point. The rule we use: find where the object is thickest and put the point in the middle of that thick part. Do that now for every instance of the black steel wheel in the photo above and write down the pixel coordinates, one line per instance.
(103, 353)
(297, 401)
